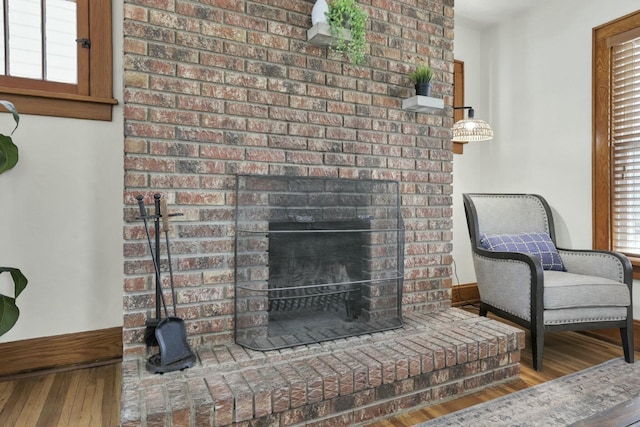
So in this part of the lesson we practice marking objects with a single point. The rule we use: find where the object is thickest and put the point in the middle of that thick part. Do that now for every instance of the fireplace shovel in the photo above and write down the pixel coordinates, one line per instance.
(175, 353)
(170, 332)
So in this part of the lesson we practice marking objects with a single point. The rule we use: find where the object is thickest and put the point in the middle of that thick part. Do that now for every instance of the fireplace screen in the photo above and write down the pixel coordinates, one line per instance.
(316, 259)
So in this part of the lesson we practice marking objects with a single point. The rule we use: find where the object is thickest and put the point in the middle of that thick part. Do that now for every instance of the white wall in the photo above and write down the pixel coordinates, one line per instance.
(530, 78)
(469, 47)
(61, 218)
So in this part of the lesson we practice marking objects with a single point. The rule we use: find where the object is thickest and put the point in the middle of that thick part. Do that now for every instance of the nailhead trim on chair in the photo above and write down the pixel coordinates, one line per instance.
(595, 319)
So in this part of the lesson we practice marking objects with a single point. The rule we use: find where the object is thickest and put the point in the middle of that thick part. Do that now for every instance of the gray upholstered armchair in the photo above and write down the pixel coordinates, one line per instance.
(552, 290)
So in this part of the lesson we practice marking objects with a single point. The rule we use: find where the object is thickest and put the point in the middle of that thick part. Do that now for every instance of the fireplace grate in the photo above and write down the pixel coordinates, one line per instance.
(329, 297)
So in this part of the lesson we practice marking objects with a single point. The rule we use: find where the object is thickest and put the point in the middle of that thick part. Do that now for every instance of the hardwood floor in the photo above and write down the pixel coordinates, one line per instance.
(91, 396)
(82, 397)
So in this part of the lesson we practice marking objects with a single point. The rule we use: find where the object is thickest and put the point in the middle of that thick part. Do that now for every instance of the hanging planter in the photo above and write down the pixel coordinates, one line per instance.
(345, 17)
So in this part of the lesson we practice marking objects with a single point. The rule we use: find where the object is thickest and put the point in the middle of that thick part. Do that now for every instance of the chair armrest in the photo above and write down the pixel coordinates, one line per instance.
(510, 281)
(608, 264)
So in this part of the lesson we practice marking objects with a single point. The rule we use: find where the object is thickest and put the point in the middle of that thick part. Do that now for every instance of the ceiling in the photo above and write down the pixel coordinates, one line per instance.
(484, 13)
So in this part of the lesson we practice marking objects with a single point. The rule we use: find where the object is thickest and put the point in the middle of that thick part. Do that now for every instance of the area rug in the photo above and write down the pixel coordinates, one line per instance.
(560, 402)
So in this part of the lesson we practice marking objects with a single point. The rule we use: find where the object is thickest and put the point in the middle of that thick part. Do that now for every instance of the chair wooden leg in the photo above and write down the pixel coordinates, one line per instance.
(627, 343)
(537, 345)
(483, 310)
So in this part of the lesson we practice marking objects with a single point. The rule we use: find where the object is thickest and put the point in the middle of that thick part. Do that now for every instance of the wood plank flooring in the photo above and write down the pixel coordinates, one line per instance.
(91, 396)
(82, 397)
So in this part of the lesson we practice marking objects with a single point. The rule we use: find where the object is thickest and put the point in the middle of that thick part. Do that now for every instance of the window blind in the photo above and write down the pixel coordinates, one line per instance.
(41, 40)
(625, 145)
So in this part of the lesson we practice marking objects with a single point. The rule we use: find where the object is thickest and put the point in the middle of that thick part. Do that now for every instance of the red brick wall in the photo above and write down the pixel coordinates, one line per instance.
(214, 88)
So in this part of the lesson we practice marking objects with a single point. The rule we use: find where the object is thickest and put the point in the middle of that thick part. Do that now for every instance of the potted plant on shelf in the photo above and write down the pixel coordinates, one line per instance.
(421, 77)
(9, 311)
(346, 17)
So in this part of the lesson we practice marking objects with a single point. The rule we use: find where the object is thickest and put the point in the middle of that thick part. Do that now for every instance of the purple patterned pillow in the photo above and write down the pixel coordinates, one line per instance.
(537, 244)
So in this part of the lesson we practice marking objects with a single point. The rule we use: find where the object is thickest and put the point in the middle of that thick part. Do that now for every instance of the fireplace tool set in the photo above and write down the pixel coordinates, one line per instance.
(169, 333)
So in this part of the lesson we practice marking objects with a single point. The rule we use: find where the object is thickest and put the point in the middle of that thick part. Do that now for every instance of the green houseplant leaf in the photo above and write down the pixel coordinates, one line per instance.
(9, 311)
(8, 153)
(12, 109)
(8, 150)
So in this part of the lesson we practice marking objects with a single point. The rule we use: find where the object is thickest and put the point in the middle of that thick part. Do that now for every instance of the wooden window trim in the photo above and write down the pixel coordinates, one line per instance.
(458, 99)
(601, 168)
(92, 98)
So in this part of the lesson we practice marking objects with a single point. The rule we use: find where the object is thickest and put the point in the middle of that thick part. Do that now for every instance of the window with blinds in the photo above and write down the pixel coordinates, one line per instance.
(616, 137)
(56, 57)
(625, 143)
(39, 40)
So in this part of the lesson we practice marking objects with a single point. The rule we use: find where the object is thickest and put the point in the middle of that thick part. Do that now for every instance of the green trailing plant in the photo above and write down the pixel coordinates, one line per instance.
(9, 311)
(422, 74)
(347, 15)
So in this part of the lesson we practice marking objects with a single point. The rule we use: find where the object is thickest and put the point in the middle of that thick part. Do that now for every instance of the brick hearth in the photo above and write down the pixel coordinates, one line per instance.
(436, 356)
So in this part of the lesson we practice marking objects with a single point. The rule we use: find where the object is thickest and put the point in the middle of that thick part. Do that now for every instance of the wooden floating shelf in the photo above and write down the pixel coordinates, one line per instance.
(320, 35)
(423, 104)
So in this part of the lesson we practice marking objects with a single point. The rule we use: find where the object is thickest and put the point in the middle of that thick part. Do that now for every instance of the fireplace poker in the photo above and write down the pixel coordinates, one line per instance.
(164, 213)
(156, 227)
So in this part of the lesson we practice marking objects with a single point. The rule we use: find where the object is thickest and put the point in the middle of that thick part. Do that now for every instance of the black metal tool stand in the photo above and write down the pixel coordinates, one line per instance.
(170, 332)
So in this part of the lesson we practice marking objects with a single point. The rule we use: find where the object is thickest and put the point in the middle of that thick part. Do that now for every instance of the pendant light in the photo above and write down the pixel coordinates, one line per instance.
(471, 129)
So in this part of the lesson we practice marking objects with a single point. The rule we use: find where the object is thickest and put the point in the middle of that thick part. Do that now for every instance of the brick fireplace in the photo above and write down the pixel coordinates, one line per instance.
(220, 89)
